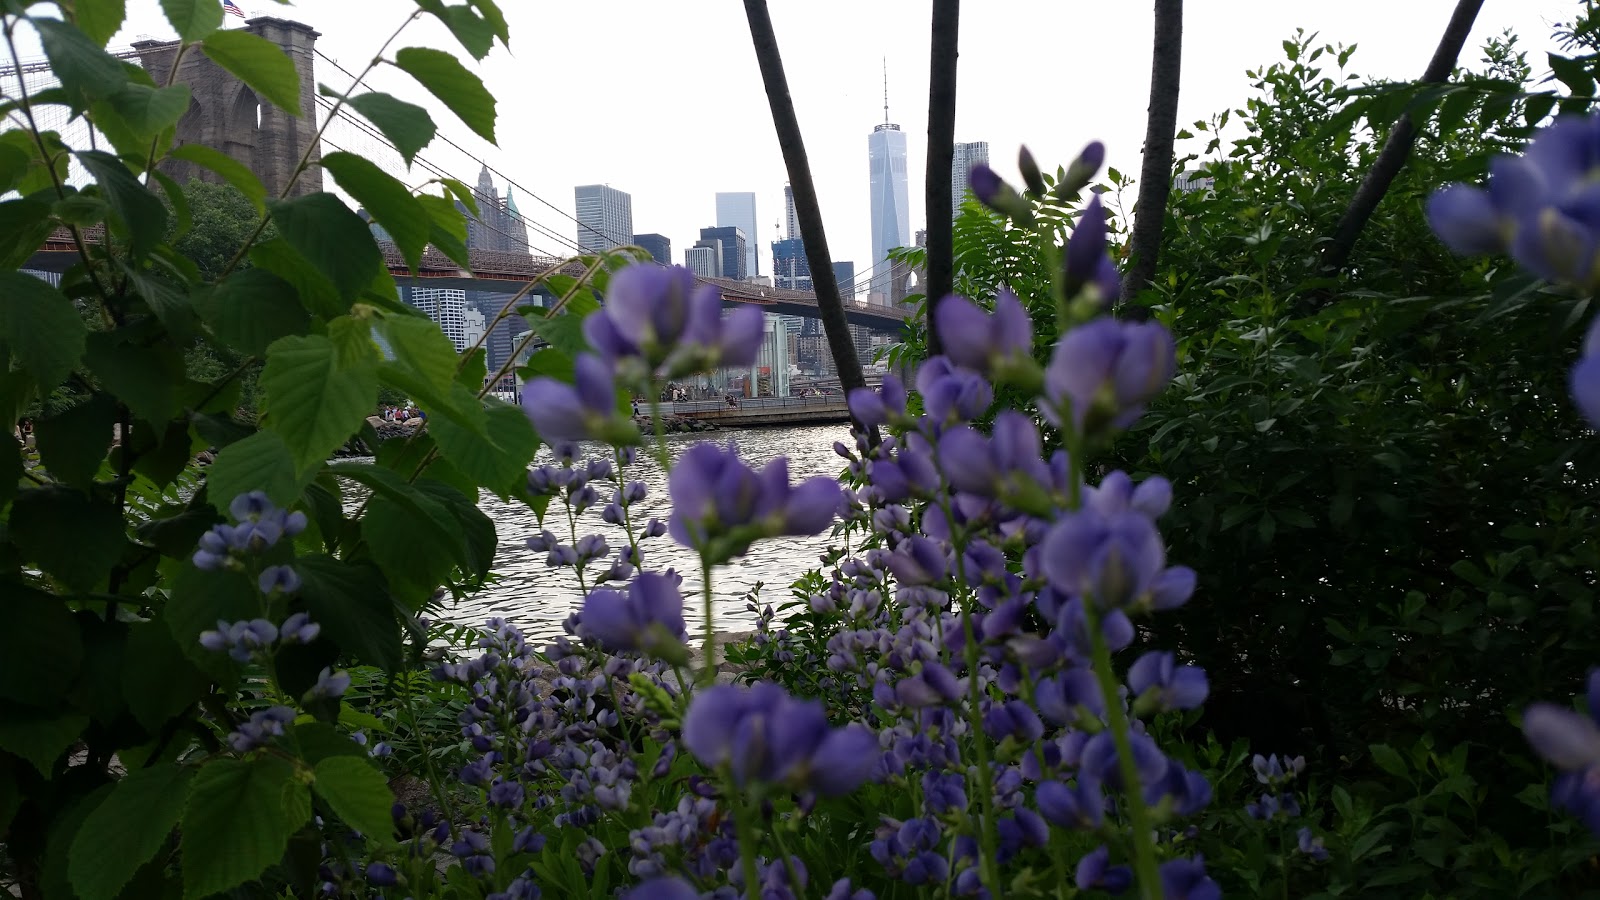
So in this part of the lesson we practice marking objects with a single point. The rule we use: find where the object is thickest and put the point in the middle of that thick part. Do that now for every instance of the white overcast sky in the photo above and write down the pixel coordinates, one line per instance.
(664, 100)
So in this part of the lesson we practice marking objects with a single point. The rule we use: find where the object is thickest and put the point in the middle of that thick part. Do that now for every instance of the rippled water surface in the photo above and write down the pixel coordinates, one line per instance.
(538, 598)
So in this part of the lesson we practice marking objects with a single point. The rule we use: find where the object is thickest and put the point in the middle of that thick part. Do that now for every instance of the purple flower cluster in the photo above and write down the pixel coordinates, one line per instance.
(258, 525)
(659, 321)
(720, 505)
(762, 735)
(254, 639)
(1570, 741)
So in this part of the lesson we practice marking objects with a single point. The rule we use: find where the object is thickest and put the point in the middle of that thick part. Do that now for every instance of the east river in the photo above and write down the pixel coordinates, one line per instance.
(537, 598)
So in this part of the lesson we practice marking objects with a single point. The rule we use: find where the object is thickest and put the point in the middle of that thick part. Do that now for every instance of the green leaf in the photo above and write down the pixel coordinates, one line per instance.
(313, 400)
(193, 19)
(498, 463)
(260, 462)
(259, 63)
(386, 199)
(142, 214)
(167, 299)
(231, 170)
(72, 537)
(407, 126)
(158, 680)
(238, 821)
(141, 113)
(43, 330)
(351, 604)
(86, 71)
(1389, 760)
(199, 599)
(476, 528)
(358, 794)
(40, 647)
(318, 741)
(40, 737)
(142, 377)
(446, 78)
(317, 294)
(127, 829)
(422, 348)
(333, 238)
(250, 309)
(99, 20)
(447, 229)
(73, 443)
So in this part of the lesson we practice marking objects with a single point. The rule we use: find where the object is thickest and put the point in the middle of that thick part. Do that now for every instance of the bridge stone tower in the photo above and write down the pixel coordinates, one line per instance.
(226, 114)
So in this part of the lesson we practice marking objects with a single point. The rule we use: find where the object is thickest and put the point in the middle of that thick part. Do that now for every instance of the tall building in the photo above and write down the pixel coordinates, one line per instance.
(738, 210)
(461, 322)
(891, 217)
(498, 225)
(790, 268)
(703, 259)
(790, 217)
(605, 217)
(660, 248)
(967, 156)
(845, 273)
(734, 242)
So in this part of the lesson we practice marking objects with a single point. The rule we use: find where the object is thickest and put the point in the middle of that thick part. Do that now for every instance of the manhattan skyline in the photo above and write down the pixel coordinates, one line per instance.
(673, 163)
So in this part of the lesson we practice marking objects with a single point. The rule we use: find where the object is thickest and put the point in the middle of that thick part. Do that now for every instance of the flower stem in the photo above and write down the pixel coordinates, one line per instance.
(744, 827)
(1145, 870)
(708, 671)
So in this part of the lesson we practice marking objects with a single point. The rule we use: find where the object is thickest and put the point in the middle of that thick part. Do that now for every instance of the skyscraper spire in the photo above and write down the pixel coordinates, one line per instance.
(886, 90)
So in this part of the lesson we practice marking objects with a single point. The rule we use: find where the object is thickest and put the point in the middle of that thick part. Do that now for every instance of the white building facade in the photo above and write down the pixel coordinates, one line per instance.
(891, 215)
(967, 155)
(738, 210)
(605, 217)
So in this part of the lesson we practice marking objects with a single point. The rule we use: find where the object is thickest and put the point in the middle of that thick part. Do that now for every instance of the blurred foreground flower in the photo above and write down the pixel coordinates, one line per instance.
(1570, 741)
(765, 736)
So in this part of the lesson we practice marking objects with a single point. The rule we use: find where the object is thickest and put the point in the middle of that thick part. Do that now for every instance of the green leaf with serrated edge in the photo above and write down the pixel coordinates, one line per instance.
(158, 680)
(143, 112)
(474, 32)
(194, 20)
(319, 741)
(24, 225)
(249, 310)
(419, 345)
(563, 331)
(40, 647)
(14, 163)
(38, 736)
(497, 21)
(358, 794)
(127, 829)
(474, 371)
(261, 462)
(312, 400)
(349, 601)
(238, 820)
(199, 599)
(179, 201)
(385, 199)
(317, 294)
(259, 63)
(168, 299)
(99, 20)
(447, 229)
(162, 455)
(499, 463)
(409, 551)
(447, 79)
(73, 443)
(333, 238)
(85, 70)
(142, 213)
(43, 330)
(141, 377)
(74, 538)
(231, 170)
(477, 529)
(407, 126)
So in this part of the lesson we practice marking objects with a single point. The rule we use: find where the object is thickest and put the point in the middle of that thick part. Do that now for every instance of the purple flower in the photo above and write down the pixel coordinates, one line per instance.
(278, 578)
(1272, 771)
(842, 891)
(1060, 698)
(1084, 168)
(1006, 464)
(1116, 493)
(1104, 372)
(508, 794)
(1186, 879)
(1086, 253)
(299, 629)
(1096, 872)
(982, 342)
(1570, 741)
(720, 505)
(664, 316)
(1311, 845)
(648, 619)
(264, 725)
(763, 735)
(872, 408)
(950, 393)
(1081, 806)
(668, 887)
(580, 411)
(381, 874)
(1158, 681)
(1585, 379)
(1540, 207)
(918, 560)
(986, 184)
(1118, 560)
(330, 685)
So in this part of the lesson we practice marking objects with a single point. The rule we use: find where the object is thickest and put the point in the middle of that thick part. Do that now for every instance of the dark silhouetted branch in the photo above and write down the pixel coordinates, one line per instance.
(1161, 127)
(940, 199)
(1392, 158)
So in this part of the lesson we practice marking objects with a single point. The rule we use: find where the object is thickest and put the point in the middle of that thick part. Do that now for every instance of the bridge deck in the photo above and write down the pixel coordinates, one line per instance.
(764, 411)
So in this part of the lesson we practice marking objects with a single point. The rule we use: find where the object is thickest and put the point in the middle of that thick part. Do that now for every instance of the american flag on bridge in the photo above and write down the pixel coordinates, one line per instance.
(232, 8)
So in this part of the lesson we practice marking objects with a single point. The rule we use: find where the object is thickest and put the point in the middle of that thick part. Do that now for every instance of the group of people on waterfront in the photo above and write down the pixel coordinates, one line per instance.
(400, 414)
